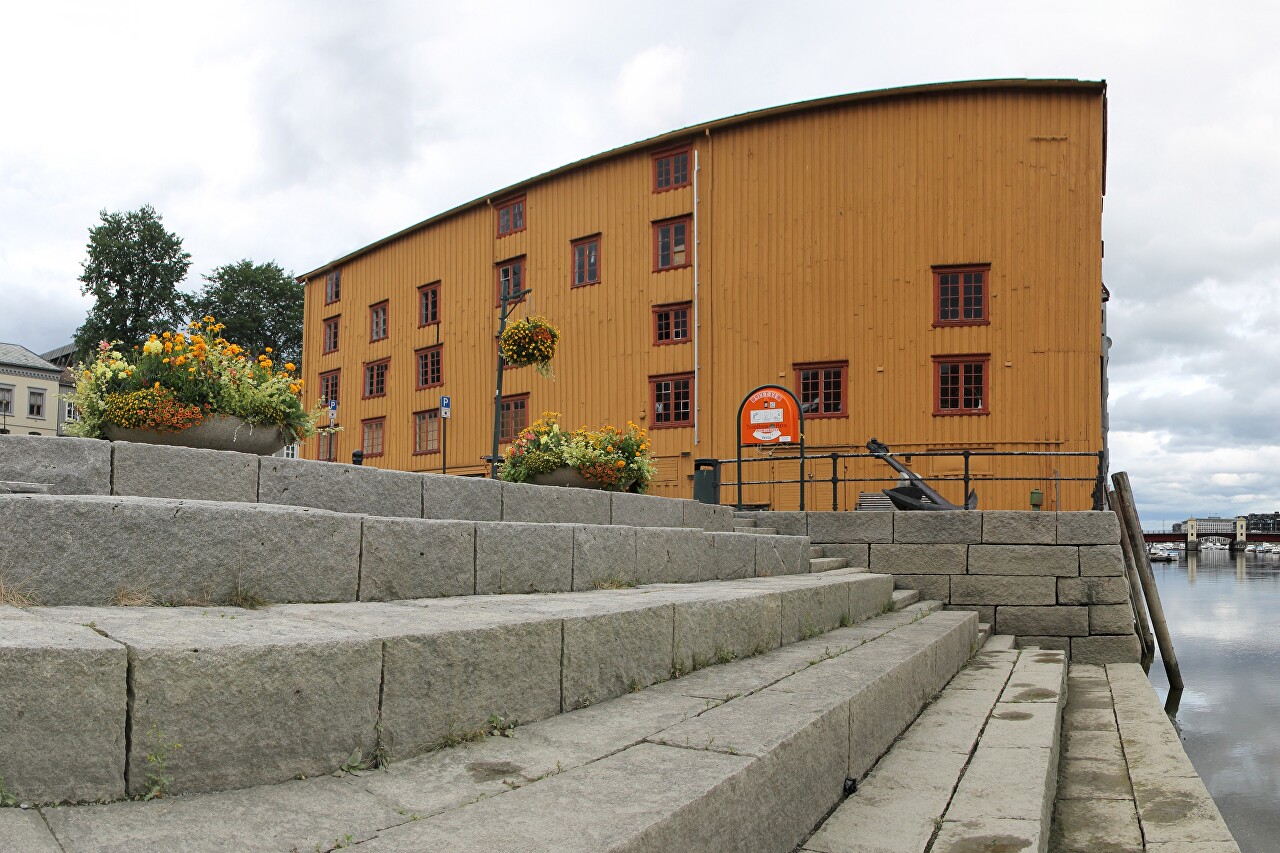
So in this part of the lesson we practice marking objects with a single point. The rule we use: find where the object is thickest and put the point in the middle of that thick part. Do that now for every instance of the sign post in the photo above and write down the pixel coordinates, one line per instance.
(333, 411)
(445, 404)
(770, 414)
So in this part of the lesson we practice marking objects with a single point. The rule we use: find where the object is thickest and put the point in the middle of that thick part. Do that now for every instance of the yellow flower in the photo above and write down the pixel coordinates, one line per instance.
(290, 366)
(153, 346)
(208, 319)
(164, 361)
(268, 349)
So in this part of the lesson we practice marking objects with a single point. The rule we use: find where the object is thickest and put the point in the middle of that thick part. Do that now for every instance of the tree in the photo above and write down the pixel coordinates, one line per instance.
(132, 270)
(260, 304)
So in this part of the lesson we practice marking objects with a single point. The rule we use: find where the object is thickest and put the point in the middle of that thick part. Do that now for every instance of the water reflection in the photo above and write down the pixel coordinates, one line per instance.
(1223, 611)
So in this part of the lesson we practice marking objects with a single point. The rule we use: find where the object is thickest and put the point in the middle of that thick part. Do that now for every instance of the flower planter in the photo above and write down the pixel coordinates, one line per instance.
(569, 476)
(220, 432)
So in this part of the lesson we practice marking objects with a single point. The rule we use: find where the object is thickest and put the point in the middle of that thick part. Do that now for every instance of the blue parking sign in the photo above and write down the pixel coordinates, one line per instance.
(444, 407)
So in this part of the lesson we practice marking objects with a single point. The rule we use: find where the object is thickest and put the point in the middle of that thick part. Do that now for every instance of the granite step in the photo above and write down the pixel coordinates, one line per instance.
(747, 755)
(903, 597)
(101, 695)
(827, 564)
(976, 771)
(767, 531)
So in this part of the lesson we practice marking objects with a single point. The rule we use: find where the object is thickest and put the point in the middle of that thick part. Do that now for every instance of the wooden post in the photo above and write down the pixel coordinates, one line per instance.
(1133, 529)
(1135, 589)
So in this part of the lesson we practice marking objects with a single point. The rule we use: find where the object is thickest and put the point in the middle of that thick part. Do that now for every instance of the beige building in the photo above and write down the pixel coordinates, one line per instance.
(30, 399)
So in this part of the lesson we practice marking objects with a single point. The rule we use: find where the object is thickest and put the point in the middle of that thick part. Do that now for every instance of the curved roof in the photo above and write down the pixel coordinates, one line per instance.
(1098, 87)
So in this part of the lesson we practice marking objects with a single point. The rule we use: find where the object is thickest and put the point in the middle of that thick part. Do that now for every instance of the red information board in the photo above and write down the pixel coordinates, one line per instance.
(770, 416)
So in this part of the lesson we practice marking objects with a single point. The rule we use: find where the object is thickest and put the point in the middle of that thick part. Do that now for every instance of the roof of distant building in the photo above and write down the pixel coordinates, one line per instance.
(63, 356)
(16, 355)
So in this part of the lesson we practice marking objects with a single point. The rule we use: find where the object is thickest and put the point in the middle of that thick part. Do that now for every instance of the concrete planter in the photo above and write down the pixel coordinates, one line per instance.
(221, 432)
(568, 476)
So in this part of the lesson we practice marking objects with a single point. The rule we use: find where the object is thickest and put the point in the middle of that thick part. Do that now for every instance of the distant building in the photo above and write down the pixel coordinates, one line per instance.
(65, 358)
(30, 393)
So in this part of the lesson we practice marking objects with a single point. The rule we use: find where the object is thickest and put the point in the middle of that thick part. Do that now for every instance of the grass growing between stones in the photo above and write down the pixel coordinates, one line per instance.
(614, 582)
(16, 594)
(157, 778)
(129, 596)
(7, 799)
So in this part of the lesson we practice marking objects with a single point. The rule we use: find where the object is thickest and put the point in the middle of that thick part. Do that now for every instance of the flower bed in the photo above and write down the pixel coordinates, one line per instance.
(607, 458)
(177, 380)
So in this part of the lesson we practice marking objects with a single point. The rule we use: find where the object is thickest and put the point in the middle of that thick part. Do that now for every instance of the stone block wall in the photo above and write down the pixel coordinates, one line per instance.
(1055, 580)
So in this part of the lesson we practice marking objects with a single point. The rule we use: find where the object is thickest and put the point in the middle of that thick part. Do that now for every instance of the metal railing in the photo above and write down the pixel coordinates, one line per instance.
(812, 474)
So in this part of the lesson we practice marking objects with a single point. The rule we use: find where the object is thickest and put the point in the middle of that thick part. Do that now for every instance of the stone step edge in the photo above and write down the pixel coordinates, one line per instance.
(326, 812)
(372, 675)
(288, 554)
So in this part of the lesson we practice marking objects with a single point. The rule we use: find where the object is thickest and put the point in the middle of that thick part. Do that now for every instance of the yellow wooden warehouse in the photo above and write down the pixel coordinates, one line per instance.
(922, 265)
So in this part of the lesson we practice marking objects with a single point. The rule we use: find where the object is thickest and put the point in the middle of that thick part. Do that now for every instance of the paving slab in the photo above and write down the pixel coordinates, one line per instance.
(1096, 826)
(24, 831)
(1007, 784)
(953, 721)
(1023, 724)
(1095, 779)
(402, 558)
(981, 835)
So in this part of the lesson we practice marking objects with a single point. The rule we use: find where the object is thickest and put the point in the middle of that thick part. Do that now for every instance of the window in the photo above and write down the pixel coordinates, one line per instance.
(371, 440)
(431, 366)
(35, 404)
(671, 323)
(670, 170)
(327, 447)
(960, 297)
(586, 261)
(329, 386)
(511, 216)
(961, 382)
(331, 335)
(378, 321)
(515, 417)
(670, 247)
(291, 451)
(426, 431)
(429, 304)
(671, 400)
(375, 378)
(332, 286)
(70, 414)
(510, 278)
(6, 401)
(821, 389)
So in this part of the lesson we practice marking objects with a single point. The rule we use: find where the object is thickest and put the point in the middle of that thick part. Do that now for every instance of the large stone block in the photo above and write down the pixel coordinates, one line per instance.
(986, 612)
(814, 609)
(698, 515)
(1041, 621)
(851, 527)
(856, 556)
(62, 712)
(159, 471)
(604, 556)
(1088, 528)
(225, 683)
(415, 558)
(1056, 560)
(1090, 590)
(645, 510)
(721, 519)
(734, 555)
(1101, 561)
(555, 504)
(927, 528)
(930, 587)
(786, 523)
(667, 555)
(919, 559)
(781, 555)
(69, 466)
(341, 488)
(1110, 619)
(466, 498)
(180, 552)
(1003, 527)
(1123, 648)
(1003, 589)
(1052, 643)
(523, 557)
(722, 629)
(615, 653)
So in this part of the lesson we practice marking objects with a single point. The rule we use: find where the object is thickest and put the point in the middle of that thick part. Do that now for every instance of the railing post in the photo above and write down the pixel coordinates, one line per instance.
(964, 498)
(1100, 484)
(835, 483)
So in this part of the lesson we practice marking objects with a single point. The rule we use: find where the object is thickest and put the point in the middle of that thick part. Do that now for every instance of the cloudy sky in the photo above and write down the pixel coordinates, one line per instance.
(297, 131)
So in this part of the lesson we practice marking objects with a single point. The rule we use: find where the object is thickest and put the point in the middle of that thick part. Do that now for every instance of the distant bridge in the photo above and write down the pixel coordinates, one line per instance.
(1232, 530)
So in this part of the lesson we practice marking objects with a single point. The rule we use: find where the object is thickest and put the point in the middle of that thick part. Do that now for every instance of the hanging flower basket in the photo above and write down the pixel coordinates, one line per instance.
(530, 341)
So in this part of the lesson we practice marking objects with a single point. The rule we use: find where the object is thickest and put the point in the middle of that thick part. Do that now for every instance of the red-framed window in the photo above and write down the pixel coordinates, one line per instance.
(426, 431)
(586, 261)
(429, 304)
(960, 295)
(510, 278)
(961, 384)
(332, 286)
(671, 170)
(672, 323)
(671, 244)
(327, 447)
(430, 366)
(378, 321)
(375, 378)
(331, 333)
(510, 216)
(329, 386)
(372, 435)
(672, 398)
(822, 388)
(515, 416)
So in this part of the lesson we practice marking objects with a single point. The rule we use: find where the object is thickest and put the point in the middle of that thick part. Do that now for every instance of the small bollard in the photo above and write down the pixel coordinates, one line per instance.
(357, 457)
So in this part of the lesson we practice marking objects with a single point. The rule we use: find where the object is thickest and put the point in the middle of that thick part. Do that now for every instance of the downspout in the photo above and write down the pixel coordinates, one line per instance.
(697, 385)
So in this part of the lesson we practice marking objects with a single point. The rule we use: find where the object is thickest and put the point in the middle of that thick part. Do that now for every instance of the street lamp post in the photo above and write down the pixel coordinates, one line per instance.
(507, 304)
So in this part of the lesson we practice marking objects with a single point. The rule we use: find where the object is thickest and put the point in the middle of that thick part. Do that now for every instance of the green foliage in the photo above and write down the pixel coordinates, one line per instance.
(157, 777)
(132, 270)
(259, 304)
(7, 799)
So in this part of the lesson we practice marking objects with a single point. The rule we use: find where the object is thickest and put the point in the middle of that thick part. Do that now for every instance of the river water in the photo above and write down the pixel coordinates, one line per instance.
(1223, 611)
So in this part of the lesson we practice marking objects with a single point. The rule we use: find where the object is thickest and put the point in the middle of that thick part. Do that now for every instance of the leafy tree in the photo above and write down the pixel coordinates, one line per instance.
(132, 270)
(260, 304)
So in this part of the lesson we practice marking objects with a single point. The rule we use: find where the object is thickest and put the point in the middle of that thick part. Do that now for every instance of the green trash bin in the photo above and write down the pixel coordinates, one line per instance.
(706, 481)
